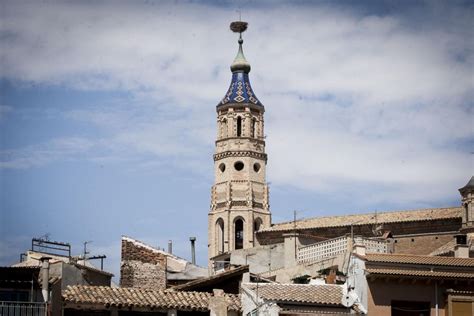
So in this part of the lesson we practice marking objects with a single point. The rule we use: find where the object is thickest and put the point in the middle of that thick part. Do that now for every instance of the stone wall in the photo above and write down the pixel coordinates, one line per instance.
(142, 266)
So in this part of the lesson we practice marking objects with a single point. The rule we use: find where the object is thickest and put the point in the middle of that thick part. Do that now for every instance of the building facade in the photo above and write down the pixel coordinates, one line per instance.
(239, 197)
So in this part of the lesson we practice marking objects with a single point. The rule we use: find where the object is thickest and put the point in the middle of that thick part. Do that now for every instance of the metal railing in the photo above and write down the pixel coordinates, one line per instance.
(23, 309)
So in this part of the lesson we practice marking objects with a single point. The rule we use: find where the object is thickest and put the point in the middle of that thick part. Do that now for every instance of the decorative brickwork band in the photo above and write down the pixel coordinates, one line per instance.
(237, 153)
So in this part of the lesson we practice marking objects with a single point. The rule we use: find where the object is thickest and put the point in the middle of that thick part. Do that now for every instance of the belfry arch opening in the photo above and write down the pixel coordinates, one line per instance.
(220, 235)
(224, 128)
(239, 126)
(239, 234)
(257, 224)
(254, 127)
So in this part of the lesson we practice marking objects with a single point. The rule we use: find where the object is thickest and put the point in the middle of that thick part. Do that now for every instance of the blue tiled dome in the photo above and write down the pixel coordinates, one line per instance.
(240, 90)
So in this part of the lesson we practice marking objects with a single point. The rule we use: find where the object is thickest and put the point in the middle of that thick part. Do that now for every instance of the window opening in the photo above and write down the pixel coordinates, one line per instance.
(239, 234)
(239, 165)
(239, 126)
(254, 127)
(220, 235)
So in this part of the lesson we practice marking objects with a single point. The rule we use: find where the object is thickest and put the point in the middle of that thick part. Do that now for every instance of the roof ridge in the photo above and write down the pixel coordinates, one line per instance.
(412, 255)
(152, 248)
(372, 213)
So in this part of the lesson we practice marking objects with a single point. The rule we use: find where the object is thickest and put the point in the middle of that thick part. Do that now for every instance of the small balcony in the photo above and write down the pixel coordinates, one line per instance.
(23, 309)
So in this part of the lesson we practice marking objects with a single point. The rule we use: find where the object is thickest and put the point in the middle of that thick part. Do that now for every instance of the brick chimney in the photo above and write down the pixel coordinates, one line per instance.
(461, 249)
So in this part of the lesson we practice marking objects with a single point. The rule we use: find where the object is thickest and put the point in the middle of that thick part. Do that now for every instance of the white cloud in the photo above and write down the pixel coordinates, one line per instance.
(351, 99)
(44, 153)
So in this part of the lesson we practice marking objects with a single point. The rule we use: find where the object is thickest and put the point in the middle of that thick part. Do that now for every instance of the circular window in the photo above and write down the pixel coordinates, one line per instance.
(256, 167)
(239, 165)
(222, 167)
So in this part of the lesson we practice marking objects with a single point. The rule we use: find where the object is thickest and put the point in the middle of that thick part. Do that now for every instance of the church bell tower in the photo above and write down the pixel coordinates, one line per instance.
(239, 196)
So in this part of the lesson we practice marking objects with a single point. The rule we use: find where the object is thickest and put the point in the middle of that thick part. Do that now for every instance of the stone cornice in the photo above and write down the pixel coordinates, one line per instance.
(250, 139)
(259, 108)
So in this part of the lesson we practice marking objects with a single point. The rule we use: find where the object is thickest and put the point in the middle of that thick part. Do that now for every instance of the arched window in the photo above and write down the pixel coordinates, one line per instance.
(224, 128)
(220, 235)
(239, 234)
(239, 126)
(254, 127)
(257, 224)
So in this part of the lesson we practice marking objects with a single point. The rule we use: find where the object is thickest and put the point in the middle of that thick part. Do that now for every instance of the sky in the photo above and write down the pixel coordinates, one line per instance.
(108, 122)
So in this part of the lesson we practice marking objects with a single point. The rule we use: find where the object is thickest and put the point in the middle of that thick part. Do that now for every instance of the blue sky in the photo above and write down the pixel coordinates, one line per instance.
(107, 113)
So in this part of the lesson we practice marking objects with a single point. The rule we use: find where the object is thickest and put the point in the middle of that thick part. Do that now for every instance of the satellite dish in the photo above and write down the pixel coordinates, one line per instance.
(349, 299)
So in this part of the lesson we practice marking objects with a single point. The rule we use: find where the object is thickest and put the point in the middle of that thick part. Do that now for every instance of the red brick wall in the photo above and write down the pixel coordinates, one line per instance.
(420, 245)
(142, 267)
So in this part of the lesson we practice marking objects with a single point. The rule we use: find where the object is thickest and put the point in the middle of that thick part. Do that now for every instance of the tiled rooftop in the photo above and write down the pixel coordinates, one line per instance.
(421, 260)
(213, 278)
(134, 297)
(421, 273)
(370, 218)
(299, 293)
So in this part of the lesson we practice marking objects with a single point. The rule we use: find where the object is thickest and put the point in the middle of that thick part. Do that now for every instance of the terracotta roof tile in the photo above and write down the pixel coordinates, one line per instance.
(213, 278)
(301, 293)
(134, 297)
(422, 260)
(422, 273)
(364, 219)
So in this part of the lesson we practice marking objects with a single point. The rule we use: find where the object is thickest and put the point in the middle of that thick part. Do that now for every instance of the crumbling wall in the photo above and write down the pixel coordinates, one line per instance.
(142, 266)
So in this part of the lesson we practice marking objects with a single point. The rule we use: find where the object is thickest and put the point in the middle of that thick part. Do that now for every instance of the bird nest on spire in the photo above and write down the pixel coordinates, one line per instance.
(238, 26)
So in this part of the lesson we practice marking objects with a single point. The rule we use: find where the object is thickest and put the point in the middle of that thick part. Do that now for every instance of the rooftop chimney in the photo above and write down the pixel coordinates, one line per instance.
(461, 249)
(170, 246)
(193, 249)
(45, 278)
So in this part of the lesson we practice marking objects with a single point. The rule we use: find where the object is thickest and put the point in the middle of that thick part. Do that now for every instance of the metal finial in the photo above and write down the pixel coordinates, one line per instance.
(240, 63)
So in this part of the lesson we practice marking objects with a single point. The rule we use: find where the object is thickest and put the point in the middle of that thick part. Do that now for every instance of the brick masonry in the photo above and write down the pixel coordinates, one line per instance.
(141, 266)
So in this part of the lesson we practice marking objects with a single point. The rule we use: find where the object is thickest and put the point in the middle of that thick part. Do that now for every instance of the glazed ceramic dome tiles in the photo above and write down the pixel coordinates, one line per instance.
(240, 90)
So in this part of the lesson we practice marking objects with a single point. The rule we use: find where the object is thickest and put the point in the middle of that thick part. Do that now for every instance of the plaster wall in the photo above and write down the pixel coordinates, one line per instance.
(381, 294)
(260, 259)
(357, 281)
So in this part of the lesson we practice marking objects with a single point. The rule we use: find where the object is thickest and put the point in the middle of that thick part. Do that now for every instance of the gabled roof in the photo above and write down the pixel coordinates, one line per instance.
(93, 269)
(177, 268)
(213, 280)
(370, 218)
(299, 293)
(419, 260)
(104, 297)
